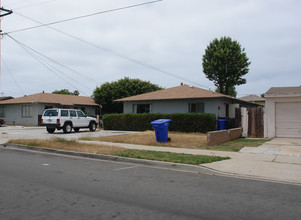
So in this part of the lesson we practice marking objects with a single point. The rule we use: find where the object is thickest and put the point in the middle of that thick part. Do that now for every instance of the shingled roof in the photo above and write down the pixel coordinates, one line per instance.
(179, 92)
(52, 99)
(283, 91)
(252, 98)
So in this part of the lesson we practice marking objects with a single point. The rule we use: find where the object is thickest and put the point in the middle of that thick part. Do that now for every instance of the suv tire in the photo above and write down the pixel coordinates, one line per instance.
(50, 130)
(92, 126)
(67, 128)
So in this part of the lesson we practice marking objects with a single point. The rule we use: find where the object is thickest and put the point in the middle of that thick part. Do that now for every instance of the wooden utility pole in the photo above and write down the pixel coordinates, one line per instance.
(6, 12)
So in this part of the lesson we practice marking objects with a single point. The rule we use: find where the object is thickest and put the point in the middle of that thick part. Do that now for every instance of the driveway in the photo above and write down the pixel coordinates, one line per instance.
(278, 146)
(277, 160)
(19, 132)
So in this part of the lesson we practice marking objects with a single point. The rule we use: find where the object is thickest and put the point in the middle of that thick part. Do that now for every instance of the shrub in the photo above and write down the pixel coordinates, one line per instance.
(181, 122)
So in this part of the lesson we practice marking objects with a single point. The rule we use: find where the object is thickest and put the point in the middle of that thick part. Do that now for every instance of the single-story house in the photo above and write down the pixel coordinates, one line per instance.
(5, 98)
(254, 99)
(27, 110)
(183, 99)
(283, 112)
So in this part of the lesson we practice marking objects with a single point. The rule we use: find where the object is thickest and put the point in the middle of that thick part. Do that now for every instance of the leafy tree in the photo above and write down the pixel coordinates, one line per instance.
(225, 63)
(66, 92)
(108, 92)
(232, 91)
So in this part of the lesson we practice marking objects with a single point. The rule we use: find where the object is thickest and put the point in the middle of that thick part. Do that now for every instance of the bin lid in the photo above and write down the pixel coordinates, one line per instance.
(160, 121)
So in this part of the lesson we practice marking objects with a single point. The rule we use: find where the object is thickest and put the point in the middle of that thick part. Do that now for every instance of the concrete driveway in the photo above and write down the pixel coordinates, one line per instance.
(19, 132)
(277, 160)
(278, 146)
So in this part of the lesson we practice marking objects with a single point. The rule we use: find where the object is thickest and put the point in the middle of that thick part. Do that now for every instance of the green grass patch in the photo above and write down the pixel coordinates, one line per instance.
(236, 145)
(170, 157)
(71, 145)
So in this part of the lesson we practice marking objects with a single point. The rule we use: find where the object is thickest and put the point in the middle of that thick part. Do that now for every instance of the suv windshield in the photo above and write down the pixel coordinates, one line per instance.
(51, 113)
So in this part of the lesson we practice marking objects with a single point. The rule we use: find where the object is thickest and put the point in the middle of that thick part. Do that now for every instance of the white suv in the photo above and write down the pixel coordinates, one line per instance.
(67, 119)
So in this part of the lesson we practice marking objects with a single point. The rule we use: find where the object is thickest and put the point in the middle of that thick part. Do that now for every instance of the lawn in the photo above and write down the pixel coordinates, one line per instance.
(181, 140)
(62, 144)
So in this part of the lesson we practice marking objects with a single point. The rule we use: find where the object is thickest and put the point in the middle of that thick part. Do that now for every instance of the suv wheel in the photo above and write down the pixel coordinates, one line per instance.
(50, 130)
(67, 127)
(92, 126)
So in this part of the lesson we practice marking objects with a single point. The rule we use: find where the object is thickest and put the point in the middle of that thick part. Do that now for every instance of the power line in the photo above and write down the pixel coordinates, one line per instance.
(32, 5)
(56, 62)
(117, 54)
(17, 2)
(85, 16)
(11, 74)
(48, 66)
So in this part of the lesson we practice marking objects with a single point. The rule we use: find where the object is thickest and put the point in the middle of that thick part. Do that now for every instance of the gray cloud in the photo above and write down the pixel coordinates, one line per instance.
(171, 35)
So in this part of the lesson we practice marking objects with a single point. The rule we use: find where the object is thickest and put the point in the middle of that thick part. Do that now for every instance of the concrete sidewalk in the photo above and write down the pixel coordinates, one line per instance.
(278, 160)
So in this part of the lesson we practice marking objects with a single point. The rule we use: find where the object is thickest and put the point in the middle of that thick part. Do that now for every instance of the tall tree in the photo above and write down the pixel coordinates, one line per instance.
(232, 91)
(66, 92)
(225, 63)
(108, 92)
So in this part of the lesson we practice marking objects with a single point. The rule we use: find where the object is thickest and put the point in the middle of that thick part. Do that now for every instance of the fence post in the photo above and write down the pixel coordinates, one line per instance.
(244, 121)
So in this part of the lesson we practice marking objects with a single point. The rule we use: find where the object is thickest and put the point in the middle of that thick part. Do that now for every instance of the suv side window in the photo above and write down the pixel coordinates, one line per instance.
(64, 113)
(72, 114)
(80, 114)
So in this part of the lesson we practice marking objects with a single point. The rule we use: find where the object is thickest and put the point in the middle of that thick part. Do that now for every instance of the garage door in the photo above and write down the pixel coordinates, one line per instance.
(288, 119)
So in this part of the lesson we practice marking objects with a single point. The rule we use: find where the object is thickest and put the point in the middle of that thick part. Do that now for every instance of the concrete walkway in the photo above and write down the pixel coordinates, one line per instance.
(277, 160)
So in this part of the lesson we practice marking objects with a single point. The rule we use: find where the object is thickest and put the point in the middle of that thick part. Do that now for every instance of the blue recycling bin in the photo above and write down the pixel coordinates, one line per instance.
(222, 124)
(161, 129)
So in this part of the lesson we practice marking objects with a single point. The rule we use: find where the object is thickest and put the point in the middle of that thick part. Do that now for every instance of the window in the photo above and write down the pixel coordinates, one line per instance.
(2, 112)
(197, 107)
(64, 113)
(80, 114)
(142, 108)
(26, 111)
(72, 114)
(51, 113)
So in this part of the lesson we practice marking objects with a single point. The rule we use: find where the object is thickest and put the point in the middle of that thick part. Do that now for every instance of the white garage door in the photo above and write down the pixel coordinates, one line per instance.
(288, 119)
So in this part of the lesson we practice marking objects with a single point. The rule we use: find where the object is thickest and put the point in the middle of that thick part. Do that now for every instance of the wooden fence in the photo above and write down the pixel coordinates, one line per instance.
(255, 122)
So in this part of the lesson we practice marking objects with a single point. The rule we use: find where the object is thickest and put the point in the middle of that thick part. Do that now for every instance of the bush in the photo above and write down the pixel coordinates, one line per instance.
(181, 122)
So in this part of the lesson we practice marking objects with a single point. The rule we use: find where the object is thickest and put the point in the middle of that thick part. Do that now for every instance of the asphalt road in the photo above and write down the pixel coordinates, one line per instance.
(45, 186)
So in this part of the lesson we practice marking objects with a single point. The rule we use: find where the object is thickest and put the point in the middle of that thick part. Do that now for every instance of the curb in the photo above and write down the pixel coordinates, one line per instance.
(142, 162)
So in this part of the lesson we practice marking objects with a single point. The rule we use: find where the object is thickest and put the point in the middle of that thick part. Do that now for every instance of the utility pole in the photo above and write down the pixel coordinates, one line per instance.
(6, 12)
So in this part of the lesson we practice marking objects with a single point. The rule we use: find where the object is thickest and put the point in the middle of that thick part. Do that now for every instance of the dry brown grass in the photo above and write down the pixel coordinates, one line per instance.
(62, 144)
(183, 140)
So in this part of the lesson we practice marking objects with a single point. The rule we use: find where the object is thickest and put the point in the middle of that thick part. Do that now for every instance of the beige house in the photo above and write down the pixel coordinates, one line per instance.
(27, 110)
(283, 112)
(184, 99)
(254, 99)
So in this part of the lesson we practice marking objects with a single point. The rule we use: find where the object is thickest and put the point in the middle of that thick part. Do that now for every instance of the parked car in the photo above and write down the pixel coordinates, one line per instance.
(2, 122)
(67, 119)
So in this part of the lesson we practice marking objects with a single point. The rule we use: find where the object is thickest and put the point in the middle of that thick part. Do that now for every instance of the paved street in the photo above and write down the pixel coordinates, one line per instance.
(44, 186)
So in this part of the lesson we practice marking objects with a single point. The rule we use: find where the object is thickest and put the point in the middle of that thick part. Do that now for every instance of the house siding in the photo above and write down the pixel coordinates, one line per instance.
(215, 106)
(13, 113)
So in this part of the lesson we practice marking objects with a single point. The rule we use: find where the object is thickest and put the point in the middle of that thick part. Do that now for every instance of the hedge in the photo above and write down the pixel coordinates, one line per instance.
(181, 122)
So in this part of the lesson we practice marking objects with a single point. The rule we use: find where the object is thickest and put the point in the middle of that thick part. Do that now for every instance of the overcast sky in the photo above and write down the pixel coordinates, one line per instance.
(161, 42)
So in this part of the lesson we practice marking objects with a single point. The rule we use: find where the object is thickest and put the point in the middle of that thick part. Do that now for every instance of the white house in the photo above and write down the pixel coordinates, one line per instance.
(183, 99)
(27, 110)
(283, 112)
